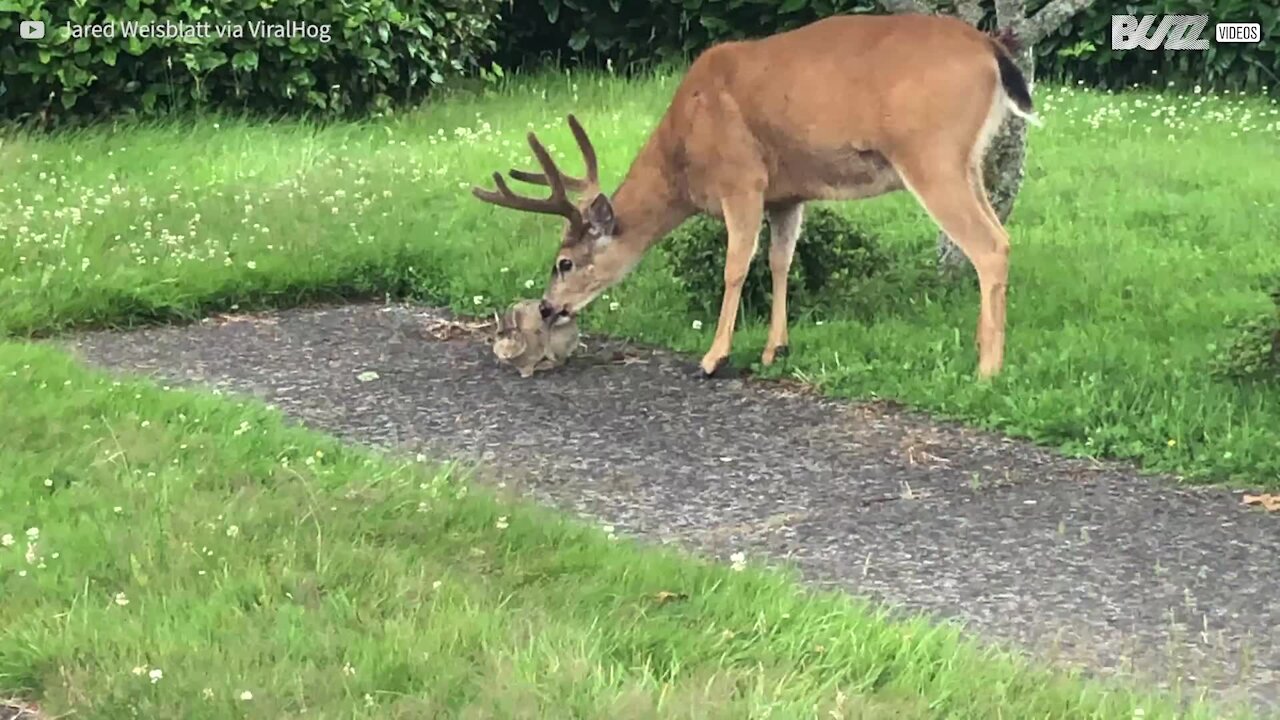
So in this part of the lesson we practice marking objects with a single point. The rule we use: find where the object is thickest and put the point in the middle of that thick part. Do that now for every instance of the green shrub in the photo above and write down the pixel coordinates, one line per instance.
(833, 261)
(377, 52)
(1254, 354)
(1081, 49)
(645, 32)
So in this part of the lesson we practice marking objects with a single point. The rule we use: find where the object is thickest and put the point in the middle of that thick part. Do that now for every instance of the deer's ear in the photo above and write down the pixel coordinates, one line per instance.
(600, 216)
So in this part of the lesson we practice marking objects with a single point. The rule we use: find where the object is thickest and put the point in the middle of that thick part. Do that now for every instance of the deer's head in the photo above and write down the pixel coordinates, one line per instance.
(589, 259)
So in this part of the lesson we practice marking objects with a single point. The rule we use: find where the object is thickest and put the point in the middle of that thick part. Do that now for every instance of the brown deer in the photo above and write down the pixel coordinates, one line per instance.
(844, 108)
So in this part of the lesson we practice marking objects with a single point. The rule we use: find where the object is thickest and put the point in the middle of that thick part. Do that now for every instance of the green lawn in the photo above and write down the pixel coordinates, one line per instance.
(1144, 222)
(263, 570)
(175, 555)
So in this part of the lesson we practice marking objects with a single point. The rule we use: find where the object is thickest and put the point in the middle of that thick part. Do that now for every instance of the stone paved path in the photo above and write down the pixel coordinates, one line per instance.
(1079, 561)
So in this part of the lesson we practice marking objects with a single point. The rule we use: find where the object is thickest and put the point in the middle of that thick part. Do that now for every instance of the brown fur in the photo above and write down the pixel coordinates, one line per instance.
(844, 108)
(525, 342)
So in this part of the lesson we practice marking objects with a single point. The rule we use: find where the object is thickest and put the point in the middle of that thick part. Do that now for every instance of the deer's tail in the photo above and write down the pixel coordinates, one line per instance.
(1012, 80)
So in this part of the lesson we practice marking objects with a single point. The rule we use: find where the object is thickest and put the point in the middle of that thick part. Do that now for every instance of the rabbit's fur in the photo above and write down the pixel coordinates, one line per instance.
(525, 342)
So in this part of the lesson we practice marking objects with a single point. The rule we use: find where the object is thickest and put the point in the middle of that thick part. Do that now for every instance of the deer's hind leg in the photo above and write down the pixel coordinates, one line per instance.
(784, 230)
(951, 194)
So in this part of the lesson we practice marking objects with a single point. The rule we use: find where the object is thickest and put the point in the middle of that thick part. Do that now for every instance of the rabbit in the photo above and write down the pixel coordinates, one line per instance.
(525, 342)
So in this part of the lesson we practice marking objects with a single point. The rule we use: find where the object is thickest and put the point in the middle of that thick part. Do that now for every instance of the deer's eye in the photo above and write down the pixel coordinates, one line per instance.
(564, 266)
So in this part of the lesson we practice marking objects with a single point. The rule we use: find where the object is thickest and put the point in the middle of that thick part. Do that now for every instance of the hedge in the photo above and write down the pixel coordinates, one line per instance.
(377, 53)
(1081, 49)
(344, 57)
(630, 33)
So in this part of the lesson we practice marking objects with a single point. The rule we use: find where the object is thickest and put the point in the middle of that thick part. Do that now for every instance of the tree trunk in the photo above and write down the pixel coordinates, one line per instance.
(1002, 171)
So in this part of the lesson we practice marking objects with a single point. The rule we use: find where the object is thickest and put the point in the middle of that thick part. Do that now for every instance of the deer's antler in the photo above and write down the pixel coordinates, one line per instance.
(590, 182)
(557, 203)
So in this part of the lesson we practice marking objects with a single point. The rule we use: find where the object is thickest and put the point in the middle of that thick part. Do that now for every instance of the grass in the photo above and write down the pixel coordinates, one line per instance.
(1144, 221)
(171, 554)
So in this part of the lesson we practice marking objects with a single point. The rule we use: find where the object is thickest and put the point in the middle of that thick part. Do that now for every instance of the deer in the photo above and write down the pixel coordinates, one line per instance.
(847, 107)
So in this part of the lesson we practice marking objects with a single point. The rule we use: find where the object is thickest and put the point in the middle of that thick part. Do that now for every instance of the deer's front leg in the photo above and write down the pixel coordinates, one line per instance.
(784, 230)
(742, 216)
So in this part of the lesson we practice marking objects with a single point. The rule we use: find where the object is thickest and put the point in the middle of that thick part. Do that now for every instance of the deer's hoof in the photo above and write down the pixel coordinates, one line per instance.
(774, 354)
(710, 368)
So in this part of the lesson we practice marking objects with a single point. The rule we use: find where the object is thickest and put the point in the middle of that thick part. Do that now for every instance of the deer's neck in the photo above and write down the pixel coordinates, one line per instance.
(649, 203)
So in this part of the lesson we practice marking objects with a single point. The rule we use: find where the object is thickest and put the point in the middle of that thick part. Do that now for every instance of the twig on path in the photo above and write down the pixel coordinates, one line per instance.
(447, 330)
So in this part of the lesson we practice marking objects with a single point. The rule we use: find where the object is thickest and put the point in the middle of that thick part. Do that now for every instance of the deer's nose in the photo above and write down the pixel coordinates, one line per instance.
(546, 309)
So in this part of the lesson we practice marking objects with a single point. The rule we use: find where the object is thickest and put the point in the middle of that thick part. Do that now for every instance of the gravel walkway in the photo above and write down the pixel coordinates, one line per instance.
(1082, 562)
